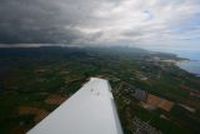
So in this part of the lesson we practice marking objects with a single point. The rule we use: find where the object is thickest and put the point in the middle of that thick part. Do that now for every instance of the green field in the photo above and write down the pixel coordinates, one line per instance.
(29, 76)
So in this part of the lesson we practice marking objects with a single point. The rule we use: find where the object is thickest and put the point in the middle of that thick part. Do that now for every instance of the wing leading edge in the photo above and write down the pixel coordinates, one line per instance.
(91, 110)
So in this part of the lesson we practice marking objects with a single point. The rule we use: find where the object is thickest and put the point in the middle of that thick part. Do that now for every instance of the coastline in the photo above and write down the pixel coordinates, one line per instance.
(185, 59)
(191, 66)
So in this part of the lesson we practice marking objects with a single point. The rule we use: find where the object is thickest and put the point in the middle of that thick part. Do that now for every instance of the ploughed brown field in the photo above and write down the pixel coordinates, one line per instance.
(156, 101)
(55, 99)
(38, 113)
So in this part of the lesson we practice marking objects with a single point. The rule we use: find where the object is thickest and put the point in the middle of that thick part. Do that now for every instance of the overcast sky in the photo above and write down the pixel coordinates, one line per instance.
(163, 23)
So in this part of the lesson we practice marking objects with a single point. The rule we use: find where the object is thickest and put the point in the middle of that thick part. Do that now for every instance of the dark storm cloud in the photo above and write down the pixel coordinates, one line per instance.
(49, 21)
(35, 21)
(98, 21)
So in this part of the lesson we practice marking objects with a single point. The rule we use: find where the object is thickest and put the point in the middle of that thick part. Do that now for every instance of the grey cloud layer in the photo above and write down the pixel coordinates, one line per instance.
(97, 22)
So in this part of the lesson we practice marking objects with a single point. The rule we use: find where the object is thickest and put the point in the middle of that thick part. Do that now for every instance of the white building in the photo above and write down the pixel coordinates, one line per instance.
(91, 110)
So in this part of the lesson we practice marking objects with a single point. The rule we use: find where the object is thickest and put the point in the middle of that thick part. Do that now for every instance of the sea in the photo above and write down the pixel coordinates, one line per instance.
(192, 65)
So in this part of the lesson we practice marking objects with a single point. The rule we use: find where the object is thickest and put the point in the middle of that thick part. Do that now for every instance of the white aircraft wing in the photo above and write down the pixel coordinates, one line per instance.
(91, 110)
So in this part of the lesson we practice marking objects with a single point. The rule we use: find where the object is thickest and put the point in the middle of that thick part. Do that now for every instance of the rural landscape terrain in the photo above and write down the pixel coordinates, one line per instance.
(152, 94)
